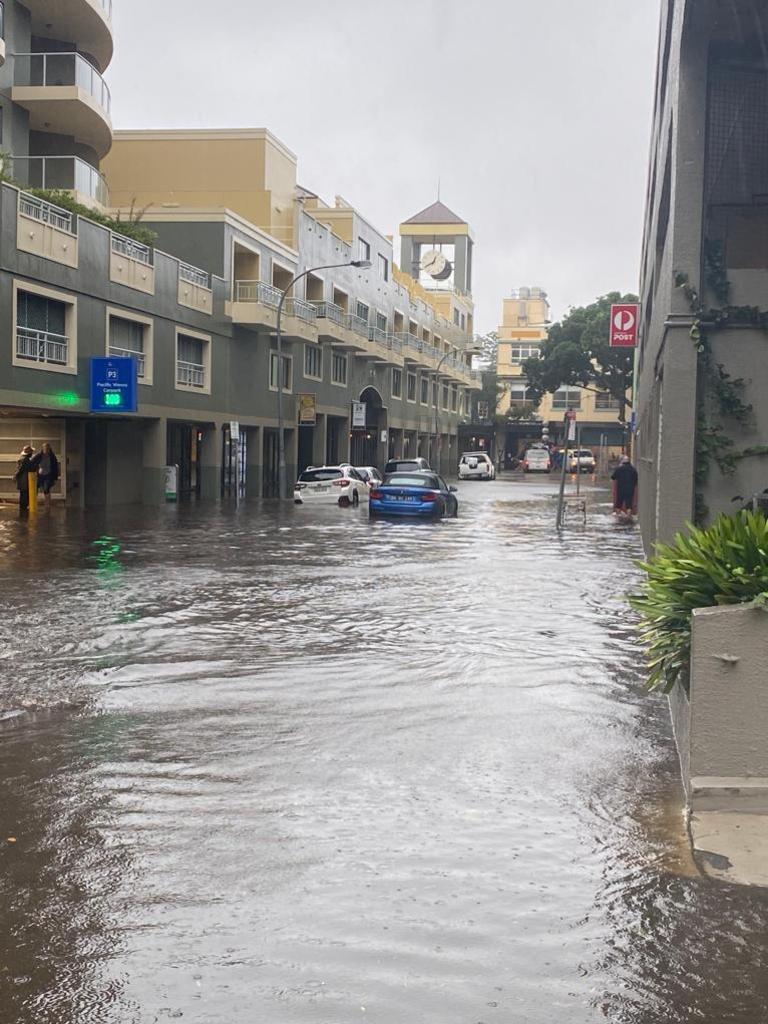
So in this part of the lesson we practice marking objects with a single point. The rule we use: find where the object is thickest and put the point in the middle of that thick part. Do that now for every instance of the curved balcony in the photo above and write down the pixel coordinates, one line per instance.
(65, 95)
(65, 173)
(86, 23)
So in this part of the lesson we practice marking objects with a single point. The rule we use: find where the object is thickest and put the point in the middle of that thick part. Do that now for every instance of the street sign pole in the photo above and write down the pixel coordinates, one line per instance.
(569, 434)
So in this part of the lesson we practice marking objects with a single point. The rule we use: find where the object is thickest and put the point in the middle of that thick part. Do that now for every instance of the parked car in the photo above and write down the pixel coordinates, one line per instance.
(339, 485)
(370, 474)
(537, 460)
(581, 460)
(404, 465)
(418, 493)
(476, 466)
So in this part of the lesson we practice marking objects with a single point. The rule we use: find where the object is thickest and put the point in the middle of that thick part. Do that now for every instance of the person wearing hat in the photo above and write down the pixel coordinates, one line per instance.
(25, 467)
(624, 487)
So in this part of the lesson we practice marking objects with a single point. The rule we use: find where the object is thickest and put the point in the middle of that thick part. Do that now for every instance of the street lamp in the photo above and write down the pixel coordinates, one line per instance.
(437, 408)
(282, 481)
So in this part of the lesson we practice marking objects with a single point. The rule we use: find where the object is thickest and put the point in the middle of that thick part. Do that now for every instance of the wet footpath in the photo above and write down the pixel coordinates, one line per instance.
(286, 766)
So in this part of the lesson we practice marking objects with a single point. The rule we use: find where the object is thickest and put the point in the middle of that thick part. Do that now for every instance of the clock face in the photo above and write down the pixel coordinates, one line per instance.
(433, 263)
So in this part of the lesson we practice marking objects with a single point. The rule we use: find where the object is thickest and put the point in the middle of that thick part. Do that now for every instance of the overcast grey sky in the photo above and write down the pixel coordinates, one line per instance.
(535, 116)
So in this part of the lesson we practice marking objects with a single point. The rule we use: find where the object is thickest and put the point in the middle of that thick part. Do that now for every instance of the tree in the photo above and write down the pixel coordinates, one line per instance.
(577, 353)
(489, 396)
(489, 346)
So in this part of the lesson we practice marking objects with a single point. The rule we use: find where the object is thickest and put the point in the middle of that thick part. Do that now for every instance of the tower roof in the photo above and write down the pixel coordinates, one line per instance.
(437, 213)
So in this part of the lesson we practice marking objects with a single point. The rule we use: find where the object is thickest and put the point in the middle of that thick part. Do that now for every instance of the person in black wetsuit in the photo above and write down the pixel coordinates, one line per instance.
(624, 487)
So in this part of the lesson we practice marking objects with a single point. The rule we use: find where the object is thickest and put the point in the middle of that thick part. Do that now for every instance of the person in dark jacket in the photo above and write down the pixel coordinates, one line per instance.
(48, 472)
(624, 487)
(26, 467)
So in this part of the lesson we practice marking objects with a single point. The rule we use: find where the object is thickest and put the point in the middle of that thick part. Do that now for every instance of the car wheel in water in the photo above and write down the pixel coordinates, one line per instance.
(344, 501)
(355, 499)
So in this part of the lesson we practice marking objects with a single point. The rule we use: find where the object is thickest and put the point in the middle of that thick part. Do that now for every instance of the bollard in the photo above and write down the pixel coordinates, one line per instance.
(32, 482)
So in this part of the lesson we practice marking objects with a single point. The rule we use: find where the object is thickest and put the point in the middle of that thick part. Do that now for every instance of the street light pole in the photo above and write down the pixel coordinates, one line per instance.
(437, 408)
(282, 476)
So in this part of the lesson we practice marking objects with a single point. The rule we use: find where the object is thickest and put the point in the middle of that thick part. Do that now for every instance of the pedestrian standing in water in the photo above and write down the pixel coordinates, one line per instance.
(624, 487)
(48, 472)
(26, 468)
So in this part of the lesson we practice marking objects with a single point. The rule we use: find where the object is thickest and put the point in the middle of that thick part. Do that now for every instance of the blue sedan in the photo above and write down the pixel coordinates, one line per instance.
(414, 494)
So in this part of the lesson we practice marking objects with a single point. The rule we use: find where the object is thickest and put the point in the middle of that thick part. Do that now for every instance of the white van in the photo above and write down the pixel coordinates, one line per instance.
(537, 460)
(476, 466)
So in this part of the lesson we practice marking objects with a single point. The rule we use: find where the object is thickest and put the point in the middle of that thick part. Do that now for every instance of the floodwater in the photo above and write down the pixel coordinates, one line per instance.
(319, 771)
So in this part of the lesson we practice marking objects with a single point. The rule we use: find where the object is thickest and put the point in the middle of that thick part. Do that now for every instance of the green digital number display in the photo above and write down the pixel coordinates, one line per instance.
(113, 398)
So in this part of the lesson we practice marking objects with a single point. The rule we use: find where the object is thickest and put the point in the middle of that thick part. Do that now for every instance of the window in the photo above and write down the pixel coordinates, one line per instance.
(434, 394)
(520, 352)
(46, 329)
(604, 402)
(410, 393)
(381, 322)
(424, 390)
(132, 337)
(463, 322)
(518, 393)
(454, 397)
(456, 317)
(383, 267)
(287, 372)
(567, 398)
(397, 383)
(339, 368)
(193, 353)
(362, 311)
(445, 397)
(363, 249)
(313, 362)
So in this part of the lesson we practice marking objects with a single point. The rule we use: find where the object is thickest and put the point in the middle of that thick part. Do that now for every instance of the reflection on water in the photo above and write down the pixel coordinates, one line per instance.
(328, 771)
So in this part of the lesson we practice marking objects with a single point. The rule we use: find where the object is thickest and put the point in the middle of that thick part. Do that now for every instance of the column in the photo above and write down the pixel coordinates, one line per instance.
(253, 463)
(211, 462)
(320, 440)
(154, 455)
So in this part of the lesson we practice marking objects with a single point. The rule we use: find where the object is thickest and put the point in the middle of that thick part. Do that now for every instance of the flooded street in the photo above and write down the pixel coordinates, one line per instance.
(321, 771)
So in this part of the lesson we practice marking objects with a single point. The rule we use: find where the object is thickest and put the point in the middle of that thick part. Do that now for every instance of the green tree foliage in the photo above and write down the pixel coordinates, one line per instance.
(725, 564)
(577, 353)
(489, 345)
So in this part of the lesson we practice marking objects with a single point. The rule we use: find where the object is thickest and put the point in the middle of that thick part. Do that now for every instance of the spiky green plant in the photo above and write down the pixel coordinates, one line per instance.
(724, 564)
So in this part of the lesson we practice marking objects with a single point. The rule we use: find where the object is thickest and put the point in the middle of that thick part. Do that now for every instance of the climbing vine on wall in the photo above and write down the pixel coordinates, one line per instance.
(713, 444)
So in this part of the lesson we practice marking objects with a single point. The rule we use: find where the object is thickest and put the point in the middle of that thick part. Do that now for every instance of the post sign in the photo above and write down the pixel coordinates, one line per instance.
(570, 419)
(624, 322)
(308, 410)
(114, 384)
(358, 414)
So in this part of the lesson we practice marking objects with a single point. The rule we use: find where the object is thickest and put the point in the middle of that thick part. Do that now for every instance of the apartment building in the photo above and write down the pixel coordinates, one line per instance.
(522, 332)
(702, 371)
(196, 310)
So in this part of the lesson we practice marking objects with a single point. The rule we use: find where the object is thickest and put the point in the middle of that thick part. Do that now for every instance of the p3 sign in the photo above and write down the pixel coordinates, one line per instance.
(624, 325)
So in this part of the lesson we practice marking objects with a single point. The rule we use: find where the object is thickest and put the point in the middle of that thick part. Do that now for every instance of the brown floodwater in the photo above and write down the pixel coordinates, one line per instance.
(302, 769)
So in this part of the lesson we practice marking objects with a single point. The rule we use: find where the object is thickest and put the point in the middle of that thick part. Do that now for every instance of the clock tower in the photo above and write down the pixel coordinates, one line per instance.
(436, 250)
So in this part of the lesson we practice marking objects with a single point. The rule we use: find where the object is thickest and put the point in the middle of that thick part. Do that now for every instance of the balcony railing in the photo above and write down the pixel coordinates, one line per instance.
(123, 246)
(42, 346)
(410, 341)
(356, 324)
(191, 374)
(2, 20)
(379, 336)
(189, 273)
(330, 311)
(56, 69)
(129, 353)
(257, 291)
(301, 309)
(67, 173)
(46, 213)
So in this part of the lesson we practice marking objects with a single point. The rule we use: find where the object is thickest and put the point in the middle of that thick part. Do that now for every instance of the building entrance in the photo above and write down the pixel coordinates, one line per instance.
(183, 450)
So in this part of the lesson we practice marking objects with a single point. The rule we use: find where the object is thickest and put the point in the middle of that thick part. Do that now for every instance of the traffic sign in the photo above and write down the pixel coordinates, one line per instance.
(625, 318)
(114, 384)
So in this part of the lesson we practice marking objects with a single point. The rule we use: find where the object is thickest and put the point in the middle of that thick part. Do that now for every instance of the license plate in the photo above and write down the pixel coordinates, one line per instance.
(318, 487)
(404, 497)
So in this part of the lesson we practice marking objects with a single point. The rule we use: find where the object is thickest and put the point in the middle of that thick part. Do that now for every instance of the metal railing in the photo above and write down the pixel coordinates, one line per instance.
(377, 335)
(2, 20)
(301, 309)
(356, 324)
(129, 353)
(191, 374)
(67, 173)
(408, 340)
(123, 246)
(56, 69)
(257, 291)
(42, 346)
(330, 311)
(47, 213)
(189, 273)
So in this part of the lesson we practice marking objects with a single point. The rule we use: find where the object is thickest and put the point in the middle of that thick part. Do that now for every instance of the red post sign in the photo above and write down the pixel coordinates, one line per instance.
(624, 323)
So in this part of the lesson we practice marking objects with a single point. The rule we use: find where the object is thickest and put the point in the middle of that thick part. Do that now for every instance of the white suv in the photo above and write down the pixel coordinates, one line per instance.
(581, 461)
(476, 466)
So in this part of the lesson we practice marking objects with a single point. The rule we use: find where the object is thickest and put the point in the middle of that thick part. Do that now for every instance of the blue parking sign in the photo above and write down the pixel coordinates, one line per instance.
(114, 384)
